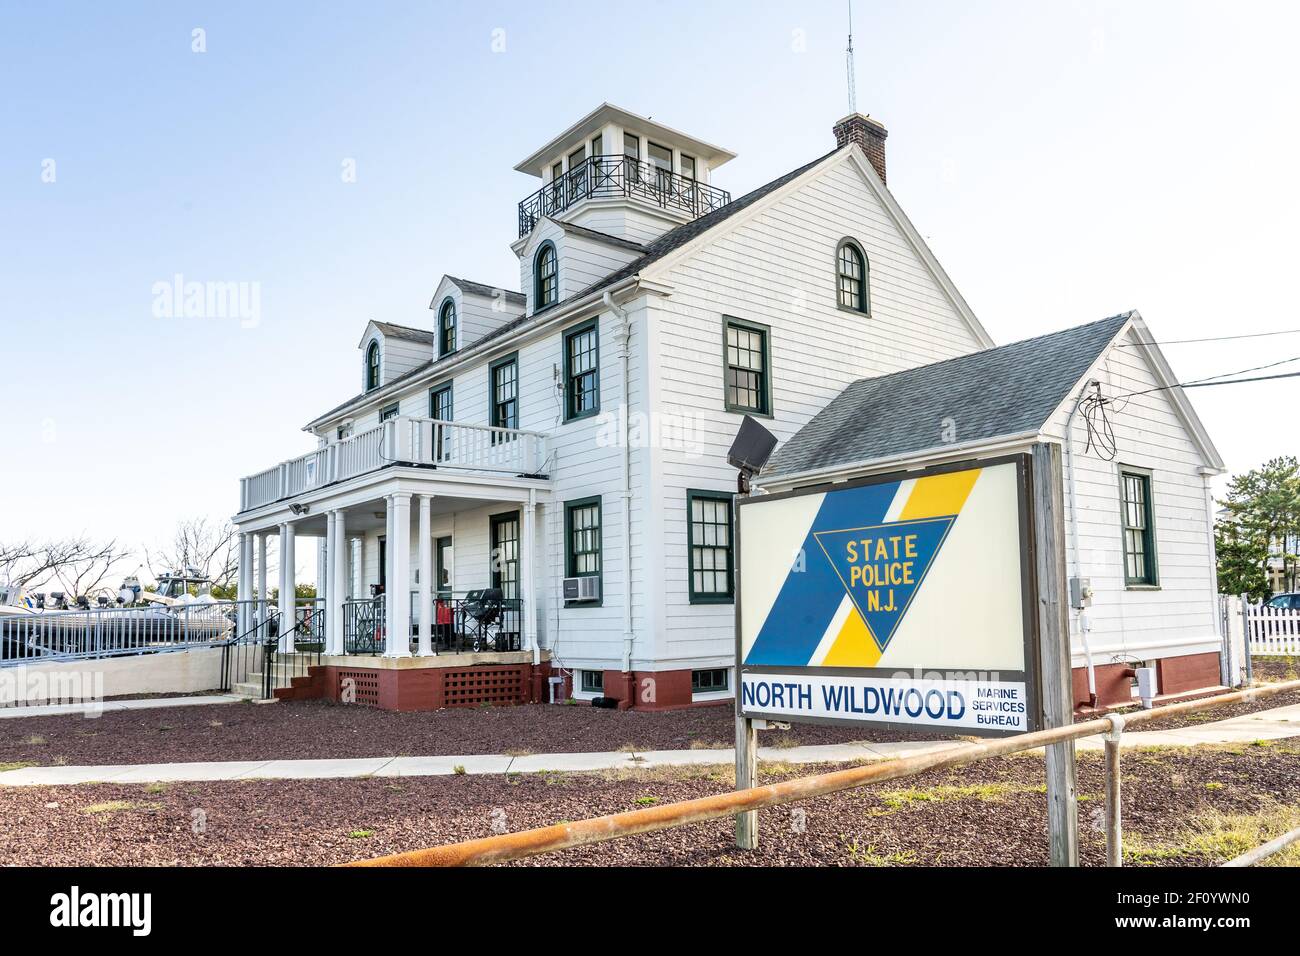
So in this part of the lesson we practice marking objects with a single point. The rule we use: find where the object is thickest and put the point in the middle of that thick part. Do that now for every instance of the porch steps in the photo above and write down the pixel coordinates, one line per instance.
(253, 686)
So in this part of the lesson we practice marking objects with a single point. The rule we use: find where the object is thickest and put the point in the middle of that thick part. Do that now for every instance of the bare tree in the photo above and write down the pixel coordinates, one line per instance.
(210, 548)
(90, 568)
(76, 565)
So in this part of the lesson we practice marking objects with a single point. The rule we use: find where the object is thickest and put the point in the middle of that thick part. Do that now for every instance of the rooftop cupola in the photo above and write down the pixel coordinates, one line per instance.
(622, 174)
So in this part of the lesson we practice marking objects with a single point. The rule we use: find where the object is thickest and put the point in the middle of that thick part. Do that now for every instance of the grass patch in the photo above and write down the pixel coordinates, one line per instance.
(786, 741)
(118, 806)
(709, 745)
(870, 856)
(156, 788)
(35, 740)
(459, 770)
(519, 752)
(15, 766)
(646, 801)
(989, 792)
(1216, 837)
(360, 834)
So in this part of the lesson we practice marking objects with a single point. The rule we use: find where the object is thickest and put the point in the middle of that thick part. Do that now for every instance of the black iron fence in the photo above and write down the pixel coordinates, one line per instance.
(471, 622)
(599, 176)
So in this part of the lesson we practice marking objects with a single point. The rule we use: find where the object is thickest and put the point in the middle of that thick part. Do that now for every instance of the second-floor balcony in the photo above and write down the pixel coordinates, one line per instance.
(426, 442)
(620, 176)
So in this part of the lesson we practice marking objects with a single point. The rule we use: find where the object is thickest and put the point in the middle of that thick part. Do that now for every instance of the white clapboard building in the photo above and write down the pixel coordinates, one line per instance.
(538, 484)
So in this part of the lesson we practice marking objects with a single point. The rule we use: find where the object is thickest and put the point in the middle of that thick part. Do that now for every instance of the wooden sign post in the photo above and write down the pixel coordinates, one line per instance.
(1054, 651)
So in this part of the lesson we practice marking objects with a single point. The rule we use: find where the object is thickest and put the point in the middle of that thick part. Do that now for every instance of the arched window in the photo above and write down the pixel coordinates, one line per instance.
(372, 366)
(447, 328)
(854, 277)
(546, 271)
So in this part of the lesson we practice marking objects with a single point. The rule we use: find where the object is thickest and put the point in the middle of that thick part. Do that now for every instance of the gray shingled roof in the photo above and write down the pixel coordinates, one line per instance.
(999, 392)
(488, 291)
(393, 331)
(598, 236)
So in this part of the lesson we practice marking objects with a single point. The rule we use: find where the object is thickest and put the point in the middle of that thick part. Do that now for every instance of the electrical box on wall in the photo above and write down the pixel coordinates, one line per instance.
(1080, 592)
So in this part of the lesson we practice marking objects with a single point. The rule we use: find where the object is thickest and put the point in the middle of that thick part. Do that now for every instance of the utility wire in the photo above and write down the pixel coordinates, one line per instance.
(1210, 379)
(1215, 338)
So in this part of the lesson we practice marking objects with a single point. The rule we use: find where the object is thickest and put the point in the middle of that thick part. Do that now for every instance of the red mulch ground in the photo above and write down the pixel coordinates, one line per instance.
(992, 813)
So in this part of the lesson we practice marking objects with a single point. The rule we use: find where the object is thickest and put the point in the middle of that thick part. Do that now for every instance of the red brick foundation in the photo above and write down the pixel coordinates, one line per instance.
(1174, 675)
(423, 688)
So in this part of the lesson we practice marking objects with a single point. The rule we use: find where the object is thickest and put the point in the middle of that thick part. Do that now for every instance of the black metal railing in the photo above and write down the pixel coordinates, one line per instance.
(604, 176)
(255, 652)
(475, 621)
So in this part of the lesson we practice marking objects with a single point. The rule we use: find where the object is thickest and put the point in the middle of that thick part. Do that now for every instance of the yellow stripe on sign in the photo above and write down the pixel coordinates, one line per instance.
(939, 495)
(854, 647)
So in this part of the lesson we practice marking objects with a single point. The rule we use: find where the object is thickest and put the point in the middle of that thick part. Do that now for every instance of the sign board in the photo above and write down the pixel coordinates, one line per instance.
(899, 602)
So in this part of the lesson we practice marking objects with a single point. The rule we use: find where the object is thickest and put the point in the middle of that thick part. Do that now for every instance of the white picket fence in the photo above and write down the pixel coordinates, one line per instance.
(1272, 631)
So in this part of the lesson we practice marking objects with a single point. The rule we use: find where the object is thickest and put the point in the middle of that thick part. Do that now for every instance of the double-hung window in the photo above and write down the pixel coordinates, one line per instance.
(447, 328)
(503, 386)
(582, 523)
(581, 371)
(1138, 518)
(747, 357)
(709, 542)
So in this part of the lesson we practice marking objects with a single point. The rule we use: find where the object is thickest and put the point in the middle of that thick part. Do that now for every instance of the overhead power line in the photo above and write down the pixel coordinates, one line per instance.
(1214, 338)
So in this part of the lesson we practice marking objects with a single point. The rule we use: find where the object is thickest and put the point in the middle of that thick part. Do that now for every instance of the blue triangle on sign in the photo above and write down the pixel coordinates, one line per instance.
(882, 567)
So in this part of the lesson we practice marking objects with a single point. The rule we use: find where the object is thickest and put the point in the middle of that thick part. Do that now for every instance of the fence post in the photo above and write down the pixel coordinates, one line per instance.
(1114, 806)
(1247, 637)
(746, 777)
(1054, 650)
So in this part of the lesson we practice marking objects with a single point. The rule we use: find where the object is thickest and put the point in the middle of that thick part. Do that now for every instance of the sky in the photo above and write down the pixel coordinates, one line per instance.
(1064, 160)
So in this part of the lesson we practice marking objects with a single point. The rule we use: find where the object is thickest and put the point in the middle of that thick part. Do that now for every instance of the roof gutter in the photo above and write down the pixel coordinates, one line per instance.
(925, 456)
(473, 352)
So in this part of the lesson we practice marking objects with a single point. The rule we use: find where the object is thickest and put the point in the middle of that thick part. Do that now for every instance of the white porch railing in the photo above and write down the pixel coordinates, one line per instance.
(414, 441)
(1272, 631)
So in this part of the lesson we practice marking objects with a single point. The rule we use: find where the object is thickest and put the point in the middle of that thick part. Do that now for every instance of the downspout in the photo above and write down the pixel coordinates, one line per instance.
(623, 334)
(1073, 516)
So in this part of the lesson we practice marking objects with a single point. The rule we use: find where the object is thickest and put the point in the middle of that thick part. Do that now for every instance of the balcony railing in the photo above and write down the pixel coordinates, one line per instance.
(403, 440)
(607, 176)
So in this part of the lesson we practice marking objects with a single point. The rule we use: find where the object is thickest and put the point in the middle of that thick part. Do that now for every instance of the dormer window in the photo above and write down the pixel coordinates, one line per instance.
(372, 366)
(546, 284)
(447, 328)
(853, 277)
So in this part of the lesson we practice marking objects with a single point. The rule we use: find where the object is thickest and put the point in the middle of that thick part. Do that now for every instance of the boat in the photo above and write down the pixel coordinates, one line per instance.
(181, 610)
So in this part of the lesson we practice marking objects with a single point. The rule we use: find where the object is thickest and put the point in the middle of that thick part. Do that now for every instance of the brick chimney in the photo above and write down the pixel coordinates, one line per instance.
(869, 134)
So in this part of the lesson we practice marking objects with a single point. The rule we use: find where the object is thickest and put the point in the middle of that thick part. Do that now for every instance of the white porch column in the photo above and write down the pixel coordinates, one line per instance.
(338, 580)
(325, 557)
(262, 592)
(287, 588)
(399, 577)
(528, 577)
(426, 578)
(324, 545)
(245, 595)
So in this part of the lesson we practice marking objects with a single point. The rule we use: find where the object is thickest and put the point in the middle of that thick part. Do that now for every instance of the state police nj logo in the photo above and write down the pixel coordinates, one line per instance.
(882, 566)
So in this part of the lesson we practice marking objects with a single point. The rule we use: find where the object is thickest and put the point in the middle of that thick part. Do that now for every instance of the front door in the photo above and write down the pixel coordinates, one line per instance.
(505, 554)
(442, 567)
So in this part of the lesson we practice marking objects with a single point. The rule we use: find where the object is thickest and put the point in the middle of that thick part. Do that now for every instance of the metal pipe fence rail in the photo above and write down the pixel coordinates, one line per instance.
(89, 633)
(514, 846)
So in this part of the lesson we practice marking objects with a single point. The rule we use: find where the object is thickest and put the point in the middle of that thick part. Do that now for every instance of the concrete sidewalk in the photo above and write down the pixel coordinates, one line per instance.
(1273, 724)
(104, 706)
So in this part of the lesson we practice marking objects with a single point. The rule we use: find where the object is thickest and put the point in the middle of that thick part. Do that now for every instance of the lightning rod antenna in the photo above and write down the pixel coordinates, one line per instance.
(848, 61)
